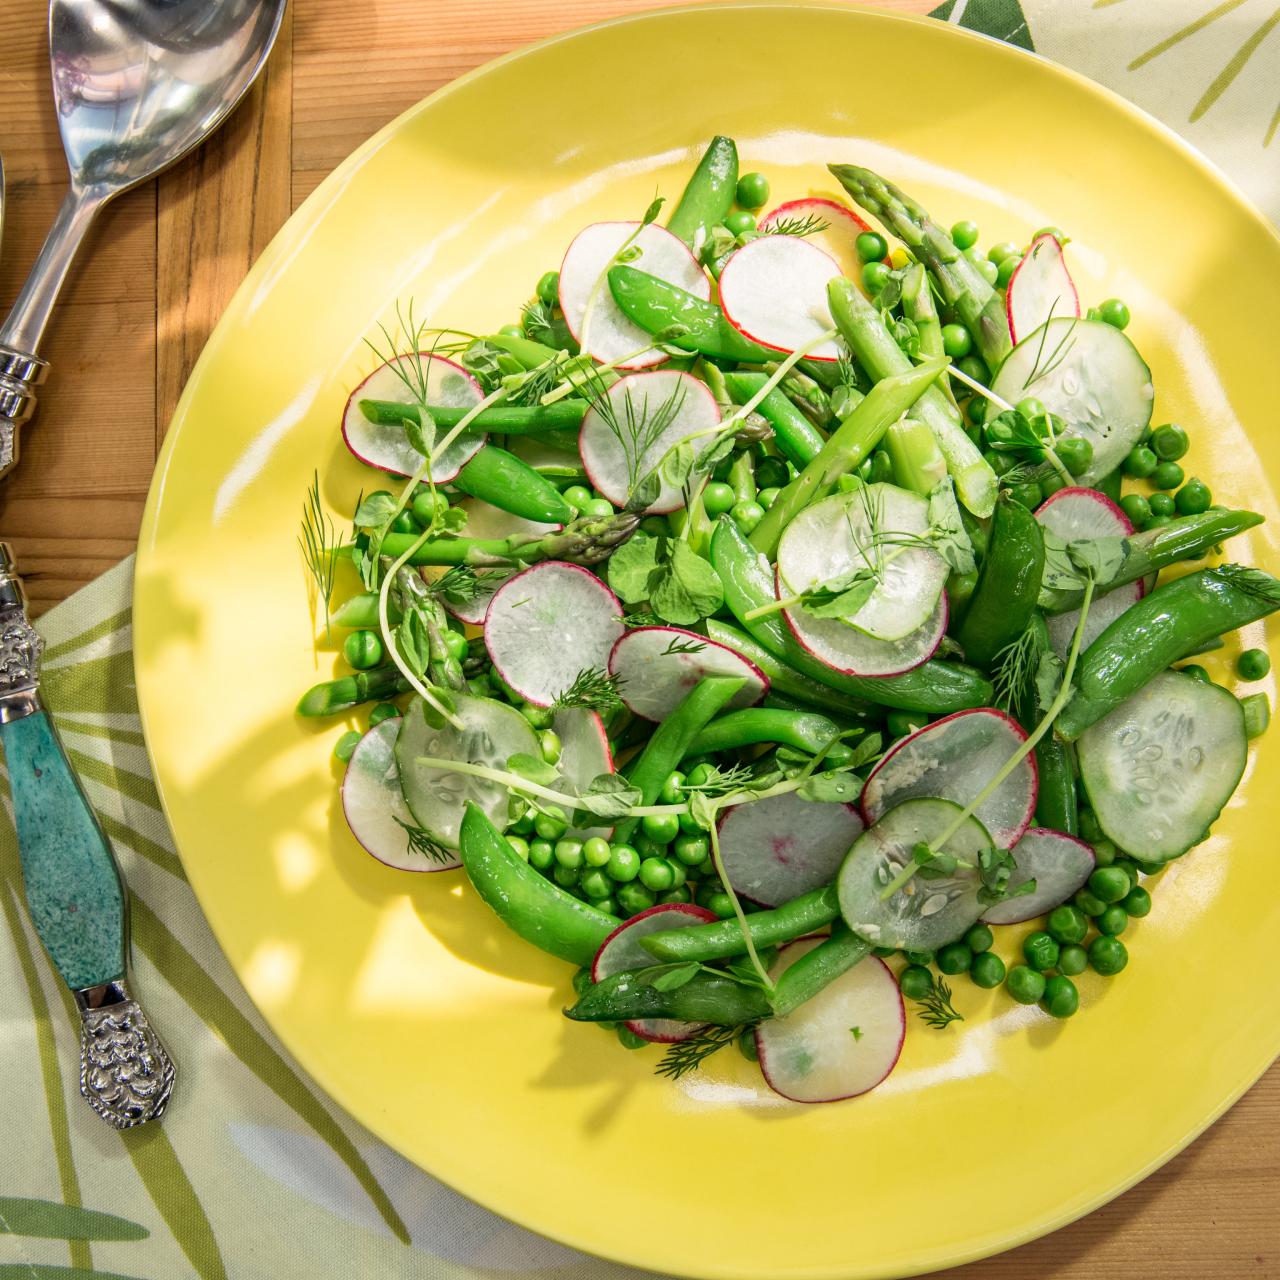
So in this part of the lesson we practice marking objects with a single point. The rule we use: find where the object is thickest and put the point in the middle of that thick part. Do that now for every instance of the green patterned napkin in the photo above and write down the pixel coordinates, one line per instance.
(253, 1174)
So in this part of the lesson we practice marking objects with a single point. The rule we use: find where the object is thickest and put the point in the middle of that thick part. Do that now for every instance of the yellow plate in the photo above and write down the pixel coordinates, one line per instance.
(400, 993)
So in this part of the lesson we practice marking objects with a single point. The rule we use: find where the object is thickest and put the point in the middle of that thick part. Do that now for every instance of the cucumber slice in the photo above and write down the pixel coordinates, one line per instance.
(924, 914)
(1097, 383)
(493, 732)
(1160, 767)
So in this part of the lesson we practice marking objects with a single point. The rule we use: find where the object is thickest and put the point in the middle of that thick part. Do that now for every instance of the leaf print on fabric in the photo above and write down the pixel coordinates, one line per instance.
(50, 1221)
(1001, 19)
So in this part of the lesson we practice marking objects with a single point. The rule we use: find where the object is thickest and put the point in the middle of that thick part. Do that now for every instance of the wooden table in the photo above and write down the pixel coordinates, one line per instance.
(165, 262)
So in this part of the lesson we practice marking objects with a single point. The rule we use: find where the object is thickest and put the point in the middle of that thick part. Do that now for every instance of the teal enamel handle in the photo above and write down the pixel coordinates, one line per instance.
(74, 892)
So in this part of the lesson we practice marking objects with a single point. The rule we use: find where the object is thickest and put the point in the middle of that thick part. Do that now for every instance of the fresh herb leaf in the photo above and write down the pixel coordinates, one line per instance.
(317, 543)
(593, 690)
(689, 589)
(669, 977)
(635, 424)
(532, 768)
(856, 1032)
(809, 225)
(946, 529)
(633, 565)
(609, 796)
(678, 646)
(375, 510)
(688, 1055)
(842, 597)
(1015, 669)
(1049, 673)
(866, 749)
(936, 1008)
(422, 842)
(833, 787)
(462, 585)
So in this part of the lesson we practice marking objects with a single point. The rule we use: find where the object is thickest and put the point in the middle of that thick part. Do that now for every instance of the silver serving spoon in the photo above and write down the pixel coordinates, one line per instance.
(138, 84)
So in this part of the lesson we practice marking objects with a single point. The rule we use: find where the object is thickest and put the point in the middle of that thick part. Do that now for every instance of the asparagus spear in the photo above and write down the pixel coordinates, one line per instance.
(875, 348)
(336, 696)
(918, 464)
(501, 419)
(959, 281)
(919, 308)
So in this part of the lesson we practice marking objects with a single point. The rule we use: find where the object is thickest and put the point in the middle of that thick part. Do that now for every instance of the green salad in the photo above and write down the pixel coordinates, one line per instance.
(760, 626)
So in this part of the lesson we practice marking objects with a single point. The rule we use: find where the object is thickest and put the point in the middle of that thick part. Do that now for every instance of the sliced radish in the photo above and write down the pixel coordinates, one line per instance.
(1085, 513)
(1040, 286)
(953, 759)
(584, 755)
(492, 733)
(838, 238)
(373, 803)
(387, 447)
(774, 291)
(835, 537)
(684, 402)
(841, 1043)
(657, 666)
(622, 951)
(1058, 863)
(776, 849)
(607, 334)
(486, 521)
(547, 625)
(853, 653)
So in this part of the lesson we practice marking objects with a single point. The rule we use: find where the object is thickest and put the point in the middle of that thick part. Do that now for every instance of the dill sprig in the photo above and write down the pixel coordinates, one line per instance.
(810, 225)
(726, 781)
(639, 427)
(1057, 355)
(1014, 670)
(463, 584)
(318, 542)
(679, 646)
(1254, 582)
(538, 322)
(414, 373)
(425, 844)
(688, 1055)
(936, 1008)
(593, 690)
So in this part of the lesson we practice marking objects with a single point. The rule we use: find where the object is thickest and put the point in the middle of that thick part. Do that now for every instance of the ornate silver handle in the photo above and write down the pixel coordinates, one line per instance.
(126, 1074)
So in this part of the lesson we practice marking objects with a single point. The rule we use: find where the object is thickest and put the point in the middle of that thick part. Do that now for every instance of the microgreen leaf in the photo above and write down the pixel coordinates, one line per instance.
(946, 528)
(689, 589)
(374, 510)
(531, 767)
(609, 796)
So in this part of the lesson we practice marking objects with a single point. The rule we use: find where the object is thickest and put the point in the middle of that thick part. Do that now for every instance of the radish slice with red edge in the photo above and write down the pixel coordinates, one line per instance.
(584, 755)
(1058, 863)
(683, 402)
(843, 649)
(776, 849)
(658, 666)
(609, 334)
(1077, 513)
(374, 806)
(838, 238)
(386, 447)
(774, 291)
(621, 951)
(953, 759)
(840, 1044)
(547, 625)
(1040, 286)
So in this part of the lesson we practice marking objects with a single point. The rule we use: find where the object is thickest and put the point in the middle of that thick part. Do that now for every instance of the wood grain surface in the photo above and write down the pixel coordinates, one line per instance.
(166, 259)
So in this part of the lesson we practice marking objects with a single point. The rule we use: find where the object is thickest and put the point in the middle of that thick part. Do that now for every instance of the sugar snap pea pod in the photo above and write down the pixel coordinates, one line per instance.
(1155, 549)
(803, 730)
(960, 282)
(723, 939)
(506, 482)
(936, 687)
(1157, 630)
(526, 902)
(670, 742)
(819, 967)
(700, 326)
(498, 419)
(708, 196)
(707, 997)
(876, 349)
(336, 696)
(362, 611)
(797, 438)
(848, 446)
(784, 680)
(530, 354)
(1008, 584)
(1057, 805)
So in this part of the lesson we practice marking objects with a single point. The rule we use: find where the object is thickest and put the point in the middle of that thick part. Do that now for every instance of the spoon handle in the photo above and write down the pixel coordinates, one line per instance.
(74, 893)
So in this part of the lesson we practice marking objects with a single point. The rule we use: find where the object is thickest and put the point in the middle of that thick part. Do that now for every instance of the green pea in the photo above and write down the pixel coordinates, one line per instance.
(456, 645)
(884, 952)
(871, 246)
(691, 850)
(362, 649)
(655, 874)
(656, 526)
(1252, 664)
(1162, 505)
(1068, 924)
(1115, 313)
(549, 746)
(700, 774)
(1104, 852)
(1041, 950)
(541, 854)
(1088, 820)
(746, 515)
(628, 1038)
(635, 897)
(549, 288)
(568, 853)
(1004, 272)
(577, 495)
(753, 190)
(598, 509)
(1089, 903)
(740, 221)
(520, 845)
(987, 970)
(1072, 960)
(874, 275)
(999, 252)
(767, 497)
(672, 792)
(964, 235)
(1061, 999)
(955, 957)
(679, 894)
(915, 982)
(1108, 884)
(922, 958)
(747, 1045)
(1113, 921)
(404, 523)
(565, 877)
(718, 498)
(1130, 868)
(1050, 484)
(689, 824)
(538, 717)
(1056, 232)
(1025, 985)
(389, 711)
(956, 341)
(596, 852)
(551, 824)
(1170, 442)
(1168, 475)
(1257, 714)
(1108, 956)
(623, 864)
(1141, 462)
(1136, 508)
(511, 331)
(974, 367)
(1075, 453)
(662, 828)
(901, 723)
(346, 745)
(976, 409)
(1030, 495)
(1196, 672)
(772, 473)
(1031, 407)
(1158, 522)
(979, 939)
(989, 270)
(427, 505)
(1193, 498)
(1136, 903)
(719, 904)
(595, 884)
(679, 872)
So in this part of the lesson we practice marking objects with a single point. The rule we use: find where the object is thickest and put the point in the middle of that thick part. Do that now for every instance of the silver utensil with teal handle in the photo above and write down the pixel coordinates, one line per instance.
(75, 895)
